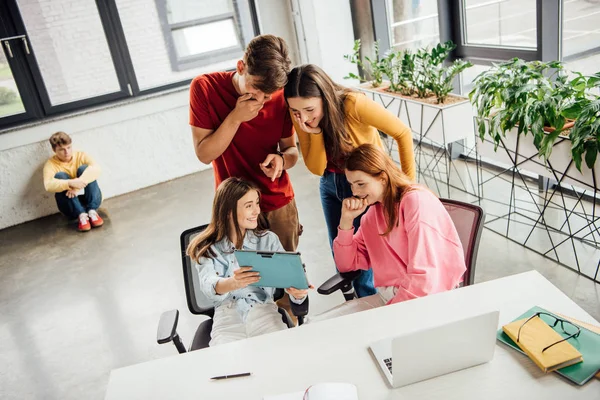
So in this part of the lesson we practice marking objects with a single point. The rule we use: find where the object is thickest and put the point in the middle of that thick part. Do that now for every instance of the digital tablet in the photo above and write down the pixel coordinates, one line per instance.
(278, 269)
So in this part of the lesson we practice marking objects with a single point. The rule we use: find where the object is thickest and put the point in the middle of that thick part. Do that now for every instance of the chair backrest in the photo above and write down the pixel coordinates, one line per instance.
(195, 299)
(468, 220)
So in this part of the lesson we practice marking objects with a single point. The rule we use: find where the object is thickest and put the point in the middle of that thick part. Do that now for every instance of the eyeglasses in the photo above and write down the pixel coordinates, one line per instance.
(571, 328)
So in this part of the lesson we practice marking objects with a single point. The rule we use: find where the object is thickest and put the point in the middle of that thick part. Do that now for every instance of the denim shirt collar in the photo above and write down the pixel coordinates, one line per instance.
(250, 243)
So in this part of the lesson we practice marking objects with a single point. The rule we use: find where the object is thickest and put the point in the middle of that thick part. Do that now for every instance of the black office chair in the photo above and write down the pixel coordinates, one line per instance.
(468, 220)
(167, 327)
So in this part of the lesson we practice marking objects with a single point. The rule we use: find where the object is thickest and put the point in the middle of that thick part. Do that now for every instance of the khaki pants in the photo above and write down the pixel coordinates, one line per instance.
(284, 222)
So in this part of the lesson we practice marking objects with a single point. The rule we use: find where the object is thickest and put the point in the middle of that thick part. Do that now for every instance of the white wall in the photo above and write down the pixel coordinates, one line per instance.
(275, 17)
(329, 35)
(137, 145)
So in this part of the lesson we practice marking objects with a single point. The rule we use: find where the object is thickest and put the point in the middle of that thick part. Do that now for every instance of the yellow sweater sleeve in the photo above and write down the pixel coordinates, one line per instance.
(51, 184)
(92, 172)
(374, 114)
(312, 147)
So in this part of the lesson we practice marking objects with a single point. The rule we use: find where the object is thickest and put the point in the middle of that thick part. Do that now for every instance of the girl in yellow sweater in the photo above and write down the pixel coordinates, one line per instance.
(331, 121)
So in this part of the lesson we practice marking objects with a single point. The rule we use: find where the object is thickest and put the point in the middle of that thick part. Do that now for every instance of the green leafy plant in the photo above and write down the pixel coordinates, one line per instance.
(516, 94)
(586, 131)
(7, 95)
(421, 73)
(538, 98)
(438, 78)
(372, 66)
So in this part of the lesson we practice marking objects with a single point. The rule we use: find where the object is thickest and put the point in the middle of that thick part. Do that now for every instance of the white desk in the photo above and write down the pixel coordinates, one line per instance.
(336, 351)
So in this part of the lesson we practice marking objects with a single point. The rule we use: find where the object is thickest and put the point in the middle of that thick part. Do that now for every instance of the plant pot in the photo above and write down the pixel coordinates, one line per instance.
(519, 151)
(435, 123)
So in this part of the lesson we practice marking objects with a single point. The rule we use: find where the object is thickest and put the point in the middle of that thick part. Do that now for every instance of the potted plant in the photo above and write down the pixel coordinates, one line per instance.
(418, 91)
(517, 98)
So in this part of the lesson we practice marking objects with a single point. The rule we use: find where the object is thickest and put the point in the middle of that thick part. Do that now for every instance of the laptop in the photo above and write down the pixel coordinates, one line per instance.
(425, 354)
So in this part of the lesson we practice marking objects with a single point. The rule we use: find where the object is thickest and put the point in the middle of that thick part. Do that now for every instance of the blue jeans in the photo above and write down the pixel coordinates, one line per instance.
(90, 200)
(334, 188)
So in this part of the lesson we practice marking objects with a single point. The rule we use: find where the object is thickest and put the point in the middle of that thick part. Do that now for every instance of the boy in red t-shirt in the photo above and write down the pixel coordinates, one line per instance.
(240, 122)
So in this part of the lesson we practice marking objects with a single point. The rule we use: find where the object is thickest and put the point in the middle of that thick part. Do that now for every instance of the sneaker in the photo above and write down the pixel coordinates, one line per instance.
(95, 219)
(84, 223)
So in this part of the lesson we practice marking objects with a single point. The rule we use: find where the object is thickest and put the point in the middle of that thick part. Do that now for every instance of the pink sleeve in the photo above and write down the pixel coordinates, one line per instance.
(435, 256)
(350, 252)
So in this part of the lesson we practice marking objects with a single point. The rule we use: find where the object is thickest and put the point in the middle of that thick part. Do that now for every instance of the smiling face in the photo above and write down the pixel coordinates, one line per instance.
(64, 152)
(248, 209)
(247, 84)
(307, 109)
(365, 186)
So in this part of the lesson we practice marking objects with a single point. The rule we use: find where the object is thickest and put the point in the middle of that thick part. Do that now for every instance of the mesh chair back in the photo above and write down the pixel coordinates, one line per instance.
(197, 303)
(468, 220)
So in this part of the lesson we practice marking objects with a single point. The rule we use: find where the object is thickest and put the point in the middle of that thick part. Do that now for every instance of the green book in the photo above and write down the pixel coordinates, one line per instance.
(587, 343)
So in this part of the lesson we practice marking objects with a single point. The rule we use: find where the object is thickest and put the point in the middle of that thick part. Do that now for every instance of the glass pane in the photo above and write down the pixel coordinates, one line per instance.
(70, 48)
(189, 10)
(153, 61)
(580, 29)
(510, 23)
(10, 101)
(189, 41)
(469, 75)
(414, 23)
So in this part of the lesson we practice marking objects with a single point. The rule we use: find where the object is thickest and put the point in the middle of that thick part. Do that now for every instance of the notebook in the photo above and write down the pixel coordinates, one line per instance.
(588, 344)
(536, 335)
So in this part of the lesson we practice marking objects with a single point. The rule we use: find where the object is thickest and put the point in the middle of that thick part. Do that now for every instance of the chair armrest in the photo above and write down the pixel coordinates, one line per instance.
(167, 330)
(340, 281)
(299, 310)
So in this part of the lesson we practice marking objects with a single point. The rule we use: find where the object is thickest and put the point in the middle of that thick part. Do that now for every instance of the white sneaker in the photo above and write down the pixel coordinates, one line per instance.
(95, 219)
(84, 223)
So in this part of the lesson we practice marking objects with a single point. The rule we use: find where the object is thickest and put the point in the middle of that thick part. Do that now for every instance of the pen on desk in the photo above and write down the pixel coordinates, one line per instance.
(216, 378)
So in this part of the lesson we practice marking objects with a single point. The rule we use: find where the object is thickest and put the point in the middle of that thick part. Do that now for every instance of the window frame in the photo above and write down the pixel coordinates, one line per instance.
(30, 82)
(240, 16)
(451, 19)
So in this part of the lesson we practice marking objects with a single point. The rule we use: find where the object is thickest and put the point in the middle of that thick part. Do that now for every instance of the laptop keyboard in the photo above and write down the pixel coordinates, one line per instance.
(388, 363)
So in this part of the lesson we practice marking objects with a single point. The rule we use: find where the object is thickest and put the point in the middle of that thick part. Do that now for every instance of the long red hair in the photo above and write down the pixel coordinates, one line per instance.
(371, 160)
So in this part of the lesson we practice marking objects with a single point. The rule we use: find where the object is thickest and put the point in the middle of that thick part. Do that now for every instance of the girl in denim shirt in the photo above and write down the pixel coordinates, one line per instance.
(241, 311)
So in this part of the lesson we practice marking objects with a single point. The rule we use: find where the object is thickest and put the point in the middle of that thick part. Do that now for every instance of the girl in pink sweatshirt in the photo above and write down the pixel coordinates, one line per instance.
(406, 236)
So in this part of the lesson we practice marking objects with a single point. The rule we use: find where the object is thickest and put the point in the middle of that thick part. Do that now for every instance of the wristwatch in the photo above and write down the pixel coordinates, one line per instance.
(282, 157)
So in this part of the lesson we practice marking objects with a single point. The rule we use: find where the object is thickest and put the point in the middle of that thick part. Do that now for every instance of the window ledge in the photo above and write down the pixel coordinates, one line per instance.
(94, 117)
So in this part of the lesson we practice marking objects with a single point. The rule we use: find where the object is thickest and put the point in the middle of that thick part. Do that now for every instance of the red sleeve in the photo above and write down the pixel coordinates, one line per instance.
(199, 114)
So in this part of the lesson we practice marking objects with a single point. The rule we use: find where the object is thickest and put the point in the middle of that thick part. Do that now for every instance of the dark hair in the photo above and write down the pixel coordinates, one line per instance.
(311, 81)
(59, 139)
(224, 210)
(371, 160)
(268, 60)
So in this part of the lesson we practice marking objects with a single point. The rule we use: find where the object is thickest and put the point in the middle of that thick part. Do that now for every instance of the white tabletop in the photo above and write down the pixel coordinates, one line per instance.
(336, 350)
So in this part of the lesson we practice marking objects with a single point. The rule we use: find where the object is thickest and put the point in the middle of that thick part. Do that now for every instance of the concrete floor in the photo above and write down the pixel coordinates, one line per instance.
(75, 306)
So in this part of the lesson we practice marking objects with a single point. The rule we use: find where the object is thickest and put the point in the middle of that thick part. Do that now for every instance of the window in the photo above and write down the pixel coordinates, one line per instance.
(510, 23)
(70, 48)
(580, 30)
(201, 32)
(174, 40)
(64, 55)
(413, 24)
(10, 98)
